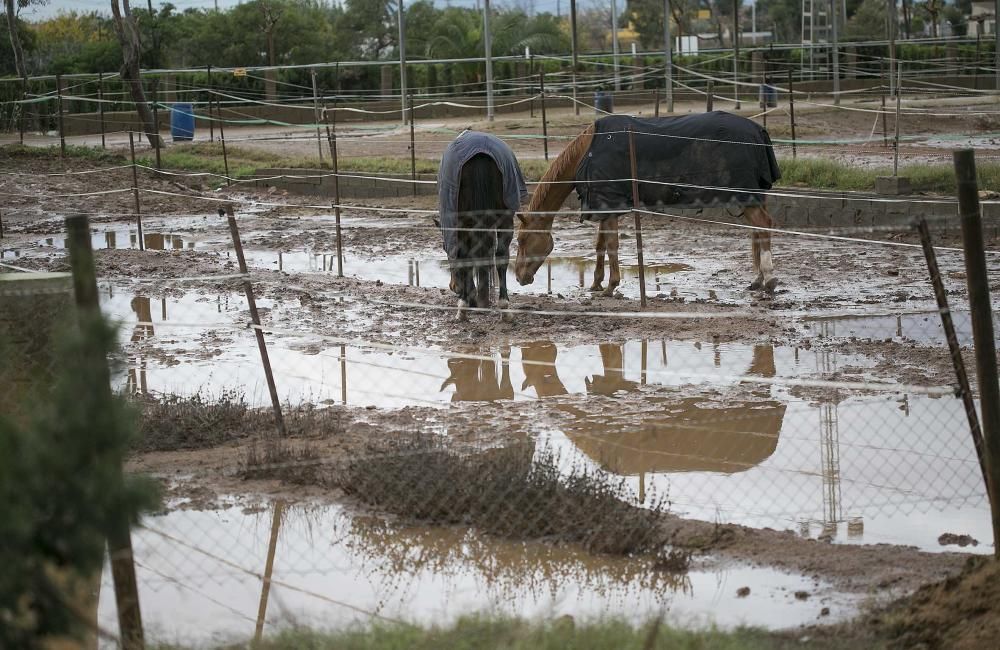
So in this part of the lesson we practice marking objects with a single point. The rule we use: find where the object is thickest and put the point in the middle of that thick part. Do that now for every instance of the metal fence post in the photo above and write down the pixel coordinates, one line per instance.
(638, 219)
(234, 231)
(982, 325)
(413, 151)
(791, 109)
(135, 189)
(100, 105)
(118, 533)
(545, 124)
(59, 108)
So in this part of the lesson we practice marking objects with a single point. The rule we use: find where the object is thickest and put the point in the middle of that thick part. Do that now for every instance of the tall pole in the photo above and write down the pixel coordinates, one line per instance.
(893, 74)
(836, 54)
(402, 60)
(996, 59)
(668, 56)
(573, 43)
(319, 141)
(488, 45)
(736, 52)
(982, 325)
(614, 43)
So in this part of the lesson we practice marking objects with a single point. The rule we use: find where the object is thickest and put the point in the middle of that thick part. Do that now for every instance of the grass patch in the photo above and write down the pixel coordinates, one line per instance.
(92, 154)
(198, 422)
(510, 492)
(826, 174)
(481, 633)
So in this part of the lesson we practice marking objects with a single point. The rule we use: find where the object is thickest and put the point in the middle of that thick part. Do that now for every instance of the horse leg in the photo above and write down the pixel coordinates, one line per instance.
(758, 281)
(759, 216)
(601, 246)
(615, 275)
(504, 235)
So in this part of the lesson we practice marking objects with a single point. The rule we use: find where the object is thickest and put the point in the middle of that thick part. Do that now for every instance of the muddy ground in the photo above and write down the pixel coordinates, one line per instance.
(826, 287)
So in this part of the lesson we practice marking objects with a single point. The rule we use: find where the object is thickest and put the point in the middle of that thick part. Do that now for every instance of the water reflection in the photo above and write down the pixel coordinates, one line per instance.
(115, 238)
(476, 379)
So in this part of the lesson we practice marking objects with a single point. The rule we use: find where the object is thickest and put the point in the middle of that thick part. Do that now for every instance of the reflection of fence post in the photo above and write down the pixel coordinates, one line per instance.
(118, 533)
(638, 220)
(100, 105)
(982, 325)
(222, 139)
(791, 109)
(59, 108)
(545, 124)
(156, 121)
(343, 374)
(413, 150)
(710, 97)
(956, 353)
(268, 568)
(331, 136)
(234, 231)
(135, 189)
(211, 123)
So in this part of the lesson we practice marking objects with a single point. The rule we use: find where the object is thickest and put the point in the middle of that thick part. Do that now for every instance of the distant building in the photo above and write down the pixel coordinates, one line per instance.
(982, 20)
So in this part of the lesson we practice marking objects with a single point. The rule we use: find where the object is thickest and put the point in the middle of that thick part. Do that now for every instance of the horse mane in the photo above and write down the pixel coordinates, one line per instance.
(553, 188)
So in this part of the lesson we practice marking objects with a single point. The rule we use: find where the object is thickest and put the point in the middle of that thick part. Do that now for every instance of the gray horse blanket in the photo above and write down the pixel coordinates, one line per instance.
(461, 149)
(692, 154)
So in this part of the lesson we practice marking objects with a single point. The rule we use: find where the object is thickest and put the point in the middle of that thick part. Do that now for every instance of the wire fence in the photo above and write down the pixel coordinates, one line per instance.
(280, 356)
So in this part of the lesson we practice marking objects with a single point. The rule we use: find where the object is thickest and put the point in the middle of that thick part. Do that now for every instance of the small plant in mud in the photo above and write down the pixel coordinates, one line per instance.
(510, 491)
(277, 458)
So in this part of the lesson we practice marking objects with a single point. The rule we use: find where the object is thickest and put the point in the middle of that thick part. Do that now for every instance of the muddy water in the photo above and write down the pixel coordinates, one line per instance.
(922, 327)
(198, 576)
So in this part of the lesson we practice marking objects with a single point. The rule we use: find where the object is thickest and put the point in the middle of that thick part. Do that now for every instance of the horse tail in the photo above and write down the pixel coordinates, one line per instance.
(480, 187)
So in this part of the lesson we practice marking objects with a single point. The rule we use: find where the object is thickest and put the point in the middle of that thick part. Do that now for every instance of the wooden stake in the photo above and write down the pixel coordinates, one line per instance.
(24, 110)
(982, 325)
(331, 136)
(211, 123)
(319, 138)
(956, 351)
(118, 533)
(135, 190)
(638, 220)
(656, 106)
(234, 231)
(710, 97)
(156, 121)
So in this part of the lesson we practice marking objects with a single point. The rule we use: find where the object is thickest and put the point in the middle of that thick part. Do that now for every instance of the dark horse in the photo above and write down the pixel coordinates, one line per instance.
(480, 186)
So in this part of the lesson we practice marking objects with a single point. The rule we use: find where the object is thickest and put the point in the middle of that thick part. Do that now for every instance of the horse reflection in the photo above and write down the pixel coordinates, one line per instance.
(136, 383)
(693, 434)
(476, 380)
(539, 362)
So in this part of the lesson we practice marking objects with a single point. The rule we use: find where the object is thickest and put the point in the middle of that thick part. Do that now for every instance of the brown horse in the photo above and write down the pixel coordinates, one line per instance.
(534, 236)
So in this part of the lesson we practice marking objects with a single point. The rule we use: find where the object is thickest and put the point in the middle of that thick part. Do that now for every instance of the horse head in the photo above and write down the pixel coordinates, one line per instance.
(534, 243)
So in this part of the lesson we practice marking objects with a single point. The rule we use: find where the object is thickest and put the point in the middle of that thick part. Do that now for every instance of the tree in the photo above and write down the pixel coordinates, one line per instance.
(128, 37)
(12, 8)
(868, 22)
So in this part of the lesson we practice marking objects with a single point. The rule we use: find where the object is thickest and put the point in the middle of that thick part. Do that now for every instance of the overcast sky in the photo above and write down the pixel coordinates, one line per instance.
(104, 6)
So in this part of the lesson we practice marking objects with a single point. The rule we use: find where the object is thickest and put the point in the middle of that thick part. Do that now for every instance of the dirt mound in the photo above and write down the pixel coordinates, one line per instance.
(962, 612)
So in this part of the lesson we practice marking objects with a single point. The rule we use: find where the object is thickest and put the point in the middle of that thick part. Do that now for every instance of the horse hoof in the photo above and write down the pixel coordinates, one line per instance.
(596, 287)
(609, 292)
(755, 285)
(770, 285)
(505, 315)
(461, 315)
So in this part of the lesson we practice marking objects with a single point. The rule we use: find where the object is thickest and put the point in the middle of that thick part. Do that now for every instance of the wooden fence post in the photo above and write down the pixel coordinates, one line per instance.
(413, 151)
(156, 121)
(791, 109)
(982, 325)
(234, 231)
(118, 533)
(135, 190)
(710, 97)
(222, 139)
(638, 220)
(211, 122)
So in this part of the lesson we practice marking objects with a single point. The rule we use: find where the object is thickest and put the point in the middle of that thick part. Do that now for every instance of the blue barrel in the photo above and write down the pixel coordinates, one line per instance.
(604, 102)
(182, 122)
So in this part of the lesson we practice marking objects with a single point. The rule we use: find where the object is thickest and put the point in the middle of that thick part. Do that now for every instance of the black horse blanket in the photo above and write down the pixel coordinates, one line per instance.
(461, 149)
(689, 157)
